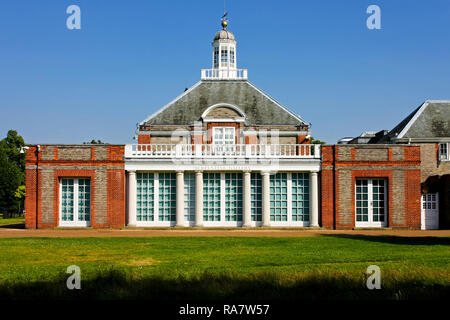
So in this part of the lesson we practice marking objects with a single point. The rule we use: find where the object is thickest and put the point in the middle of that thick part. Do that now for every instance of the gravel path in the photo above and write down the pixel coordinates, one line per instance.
(10, 231)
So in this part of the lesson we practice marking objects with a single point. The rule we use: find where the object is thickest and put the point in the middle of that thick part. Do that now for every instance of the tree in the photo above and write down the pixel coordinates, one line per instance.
(93, 141)
(314, 141)
(20, 195)
(12, 144)
(12, 173)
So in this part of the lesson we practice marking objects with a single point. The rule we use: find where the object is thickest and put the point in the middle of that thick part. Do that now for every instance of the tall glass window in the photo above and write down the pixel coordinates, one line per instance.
(224, 56)
(167, 197)
(211, 196)
(362, 200)
(67, 200)
(216, 57)
(84, 200)
(278, 197)
(371, 198)
(75, 202)
(443, 151)
(145, 196)
(232, 57)
(256, 196)
(189, 196)
(233, 197)
(300, 197)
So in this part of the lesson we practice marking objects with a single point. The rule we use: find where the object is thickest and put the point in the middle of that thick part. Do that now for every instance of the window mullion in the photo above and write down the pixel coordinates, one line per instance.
(289, 197)
(156, 197)
(75, 201)
(370, 199)
(222, 196)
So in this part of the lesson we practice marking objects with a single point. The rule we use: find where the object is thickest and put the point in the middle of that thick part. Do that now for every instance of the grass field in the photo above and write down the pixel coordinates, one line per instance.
(11, 220)
(326, 267)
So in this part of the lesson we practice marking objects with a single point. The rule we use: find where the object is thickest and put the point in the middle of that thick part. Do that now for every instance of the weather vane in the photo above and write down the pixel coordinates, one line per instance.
(225, 14)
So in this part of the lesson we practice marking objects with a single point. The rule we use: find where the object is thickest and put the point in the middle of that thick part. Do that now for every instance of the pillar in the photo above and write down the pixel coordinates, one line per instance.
(180, 199)
(265, 199)
(199, 199)
(132, 198)
(247, 200)
(314, 200)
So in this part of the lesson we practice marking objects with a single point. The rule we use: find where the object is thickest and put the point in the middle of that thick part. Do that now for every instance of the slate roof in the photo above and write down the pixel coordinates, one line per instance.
(258, 106)
(430, 120)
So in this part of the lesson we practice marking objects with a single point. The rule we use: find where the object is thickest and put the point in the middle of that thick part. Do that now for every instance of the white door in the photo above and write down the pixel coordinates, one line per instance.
(430, 211)
(370, 203)
(75, 202)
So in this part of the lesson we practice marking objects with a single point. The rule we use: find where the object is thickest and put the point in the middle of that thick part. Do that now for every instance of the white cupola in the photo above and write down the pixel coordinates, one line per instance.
(224, 58)
(224, 49)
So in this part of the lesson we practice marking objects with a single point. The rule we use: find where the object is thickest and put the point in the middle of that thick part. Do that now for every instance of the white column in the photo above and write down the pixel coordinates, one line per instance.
(314, 199)
(180, 199)
(265, 199)
(132, 198)
(199, 199)
(247, 200)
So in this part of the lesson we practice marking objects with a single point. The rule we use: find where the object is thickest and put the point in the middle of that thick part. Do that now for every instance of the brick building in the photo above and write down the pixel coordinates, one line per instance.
(226, 154)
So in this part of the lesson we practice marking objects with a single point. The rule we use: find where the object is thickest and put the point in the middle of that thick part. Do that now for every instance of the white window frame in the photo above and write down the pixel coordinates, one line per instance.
(370, 223)
(444, 156)
(289, 222)
(156, 204)
(256, 198)
(189, 197)
(222, 140)
(75, 222)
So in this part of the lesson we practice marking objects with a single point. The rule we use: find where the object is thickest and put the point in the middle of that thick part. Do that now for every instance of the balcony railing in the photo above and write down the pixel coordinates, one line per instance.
(224, 74)
(212, 151)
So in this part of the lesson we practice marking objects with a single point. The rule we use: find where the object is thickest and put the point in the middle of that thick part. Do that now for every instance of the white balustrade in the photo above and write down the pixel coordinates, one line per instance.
(224, 74)
(204, 151)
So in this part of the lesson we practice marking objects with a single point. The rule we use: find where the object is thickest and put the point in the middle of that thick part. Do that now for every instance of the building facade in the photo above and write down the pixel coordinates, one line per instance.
(224, 154)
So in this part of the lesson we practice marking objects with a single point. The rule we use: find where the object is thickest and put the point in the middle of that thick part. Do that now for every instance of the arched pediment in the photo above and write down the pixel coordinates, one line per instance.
(223, 111)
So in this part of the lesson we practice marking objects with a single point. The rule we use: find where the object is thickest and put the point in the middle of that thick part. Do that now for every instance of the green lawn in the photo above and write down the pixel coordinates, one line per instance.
(226, 267)
(11, 220)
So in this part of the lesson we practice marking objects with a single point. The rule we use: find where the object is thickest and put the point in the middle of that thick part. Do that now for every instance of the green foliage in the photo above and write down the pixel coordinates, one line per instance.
(12, 173)
(93, 141)
(12, 145)
(20, 192)
(316, 141)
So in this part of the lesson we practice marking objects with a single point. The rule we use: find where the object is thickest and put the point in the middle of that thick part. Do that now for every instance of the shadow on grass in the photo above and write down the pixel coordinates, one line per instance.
(13, 226)
(118, 285)
(443, 241)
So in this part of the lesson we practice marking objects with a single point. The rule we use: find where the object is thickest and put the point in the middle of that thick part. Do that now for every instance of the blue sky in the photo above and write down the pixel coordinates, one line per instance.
(132, 57)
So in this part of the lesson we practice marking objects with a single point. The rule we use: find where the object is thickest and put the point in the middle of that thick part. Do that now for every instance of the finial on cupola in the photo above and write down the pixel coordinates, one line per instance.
(224, 20)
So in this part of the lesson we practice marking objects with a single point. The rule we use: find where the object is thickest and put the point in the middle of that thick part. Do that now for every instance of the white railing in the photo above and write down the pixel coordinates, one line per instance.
(203, 151)
(224, 74)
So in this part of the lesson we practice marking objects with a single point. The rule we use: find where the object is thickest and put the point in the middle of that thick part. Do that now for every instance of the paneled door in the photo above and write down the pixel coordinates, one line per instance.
(370, 203)
(430, 211)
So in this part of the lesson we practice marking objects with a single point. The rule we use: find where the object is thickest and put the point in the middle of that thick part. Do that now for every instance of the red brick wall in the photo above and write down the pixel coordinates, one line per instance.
(144, 139)
(340, 171)
(30, 199)
(116, 198)
(327, 200)
(107, 184)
